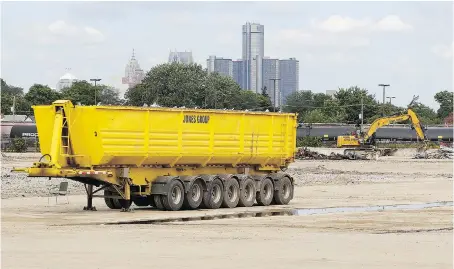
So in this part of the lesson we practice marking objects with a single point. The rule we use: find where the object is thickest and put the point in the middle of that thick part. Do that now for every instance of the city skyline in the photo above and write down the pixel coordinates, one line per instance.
(341, 45)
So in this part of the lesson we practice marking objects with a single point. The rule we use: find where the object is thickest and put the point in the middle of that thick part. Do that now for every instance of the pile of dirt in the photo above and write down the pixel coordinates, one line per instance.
(442, 153)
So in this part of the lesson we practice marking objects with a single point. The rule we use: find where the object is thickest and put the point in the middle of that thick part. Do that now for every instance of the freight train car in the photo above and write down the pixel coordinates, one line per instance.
(330, 133)
(167, 157)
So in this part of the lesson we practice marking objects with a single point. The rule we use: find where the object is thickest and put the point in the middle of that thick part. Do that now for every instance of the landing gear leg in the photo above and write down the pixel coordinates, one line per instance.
(126, 203)
(89, 206)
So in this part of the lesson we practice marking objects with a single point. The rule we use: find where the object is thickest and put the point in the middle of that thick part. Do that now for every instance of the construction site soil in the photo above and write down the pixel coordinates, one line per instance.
(38, 233)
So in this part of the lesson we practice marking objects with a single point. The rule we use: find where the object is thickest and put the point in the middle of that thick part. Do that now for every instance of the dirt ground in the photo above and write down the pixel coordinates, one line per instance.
(36, 234)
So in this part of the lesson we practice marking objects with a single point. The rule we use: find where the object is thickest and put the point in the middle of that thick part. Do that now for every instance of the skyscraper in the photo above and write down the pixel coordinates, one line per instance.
(271, 76)
(238, 73)
(133, 73)
(253, 53)
(184, 57)
(289, 74)
(220, 65)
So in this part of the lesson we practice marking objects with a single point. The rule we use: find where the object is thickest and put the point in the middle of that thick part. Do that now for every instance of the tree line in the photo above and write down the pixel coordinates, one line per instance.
(181, 85)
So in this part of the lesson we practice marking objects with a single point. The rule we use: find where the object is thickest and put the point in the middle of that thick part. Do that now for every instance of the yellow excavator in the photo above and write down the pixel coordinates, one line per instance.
(366, 141)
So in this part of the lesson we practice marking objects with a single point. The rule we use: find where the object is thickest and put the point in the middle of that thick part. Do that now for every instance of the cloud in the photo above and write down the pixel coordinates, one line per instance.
(443, 51)
(392, 23)
(340, 24)
(61, 32)
(317, 38)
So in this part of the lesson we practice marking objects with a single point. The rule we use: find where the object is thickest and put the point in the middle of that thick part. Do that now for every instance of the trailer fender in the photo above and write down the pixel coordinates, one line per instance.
(258, 179)
(225, 177)
(208, 179)
(242, 178)
(276, 178)
(189, 180)
(161, 185)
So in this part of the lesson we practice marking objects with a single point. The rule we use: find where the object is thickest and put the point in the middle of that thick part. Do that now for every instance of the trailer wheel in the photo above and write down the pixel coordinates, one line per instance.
(151, 200)
(231, 193)
(158, 202)
(247, 194)
(285, 192)
(265, 194)
(141, 201)
(174, 198)
(194, 196)
(214, 195)
(109, 201)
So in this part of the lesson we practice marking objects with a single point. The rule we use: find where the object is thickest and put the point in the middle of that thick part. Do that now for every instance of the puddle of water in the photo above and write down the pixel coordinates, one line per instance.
(315, 211)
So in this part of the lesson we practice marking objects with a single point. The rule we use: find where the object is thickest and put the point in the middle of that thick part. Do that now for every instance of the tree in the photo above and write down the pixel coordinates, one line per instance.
(175, 84)
(350, 100)
(11, 94)
(316, 116)
(108, 95)
(299, 102)
(445, 100)
(84, 92)
(425, 114)
(41, 95)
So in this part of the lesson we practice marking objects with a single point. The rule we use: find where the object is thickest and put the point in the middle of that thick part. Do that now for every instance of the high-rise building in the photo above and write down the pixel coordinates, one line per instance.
(289, 74)
(66, 81)
(331, 92)
(238, 73)
(133, 73)
(253, 53)
(271, 82)
(184, 57)
(220, 65)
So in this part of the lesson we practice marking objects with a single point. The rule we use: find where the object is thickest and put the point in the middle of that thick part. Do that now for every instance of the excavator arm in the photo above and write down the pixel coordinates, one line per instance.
(411, 115)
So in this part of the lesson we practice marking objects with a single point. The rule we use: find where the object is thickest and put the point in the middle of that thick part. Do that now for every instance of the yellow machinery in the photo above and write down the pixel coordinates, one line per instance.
(365, 141)
(168, 157)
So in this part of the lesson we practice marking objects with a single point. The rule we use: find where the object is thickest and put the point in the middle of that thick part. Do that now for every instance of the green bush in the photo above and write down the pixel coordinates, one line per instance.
(18, 145)
(309, 141)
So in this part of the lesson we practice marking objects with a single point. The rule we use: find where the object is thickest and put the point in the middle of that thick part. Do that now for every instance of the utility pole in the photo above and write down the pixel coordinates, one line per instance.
(384, 90)
(13, 108)
(274, 93)
(95, 80)
(362, 114)
(390, 97)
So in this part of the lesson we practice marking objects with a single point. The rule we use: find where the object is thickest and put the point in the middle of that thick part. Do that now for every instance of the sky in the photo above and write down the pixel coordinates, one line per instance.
(408, 45)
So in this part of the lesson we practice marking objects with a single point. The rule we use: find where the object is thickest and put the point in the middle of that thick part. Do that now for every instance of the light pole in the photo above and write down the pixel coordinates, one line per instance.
(384, 90)
(274, 93)
(95, 80)
(390, 97)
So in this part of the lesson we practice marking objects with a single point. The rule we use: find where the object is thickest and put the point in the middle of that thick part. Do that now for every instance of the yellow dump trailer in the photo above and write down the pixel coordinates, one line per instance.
(169, 158)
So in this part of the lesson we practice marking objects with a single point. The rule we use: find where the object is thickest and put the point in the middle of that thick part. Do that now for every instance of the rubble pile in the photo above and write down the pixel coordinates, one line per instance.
(307, 154)
(441, 153)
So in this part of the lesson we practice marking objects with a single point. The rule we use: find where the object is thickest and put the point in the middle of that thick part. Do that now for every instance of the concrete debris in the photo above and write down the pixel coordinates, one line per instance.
(307, 154)
(442, 153)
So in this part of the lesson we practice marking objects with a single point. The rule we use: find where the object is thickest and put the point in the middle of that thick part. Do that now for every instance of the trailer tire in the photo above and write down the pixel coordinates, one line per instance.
(173, 201)
(214, 195)
(194, 197)
(265, 193)
(158, 201)
(284, 194)
(247, 193)
(231, 193)
(110, 202)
